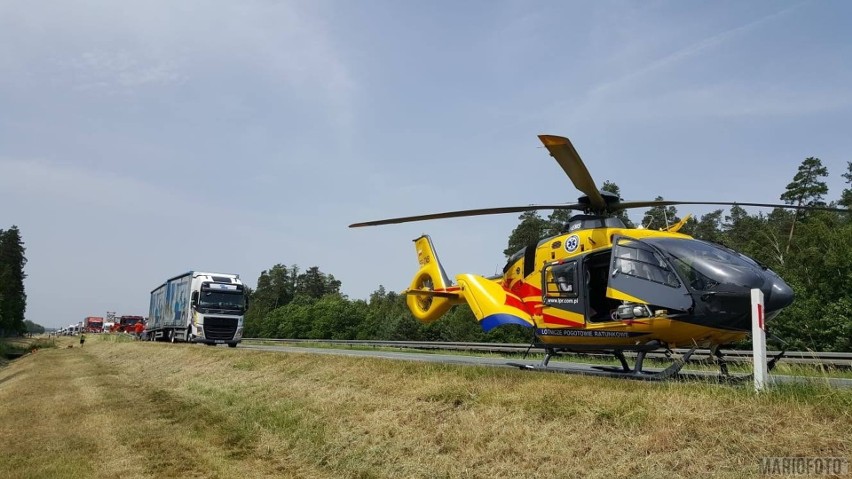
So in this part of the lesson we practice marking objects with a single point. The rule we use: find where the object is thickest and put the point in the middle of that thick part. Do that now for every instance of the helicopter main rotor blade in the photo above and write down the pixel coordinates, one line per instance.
(563, 151)
(465, 213)
(624, 205)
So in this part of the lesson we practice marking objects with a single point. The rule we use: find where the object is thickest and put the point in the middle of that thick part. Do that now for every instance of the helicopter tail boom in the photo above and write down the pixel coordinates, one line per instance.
(491, 304)
(431, 293)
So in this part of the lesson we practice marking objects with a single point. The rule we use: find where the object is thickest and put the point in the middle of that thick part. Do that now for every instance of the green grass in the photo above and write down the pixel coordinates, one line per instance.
(111, 337)
(18, 346)
(176, 410)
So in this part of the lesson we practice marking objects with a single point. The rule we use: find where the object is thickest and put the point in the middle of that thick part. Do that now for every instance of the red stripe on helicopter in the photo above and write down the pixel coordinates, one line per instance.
(522, 295)
(515, 302)
(525, 290)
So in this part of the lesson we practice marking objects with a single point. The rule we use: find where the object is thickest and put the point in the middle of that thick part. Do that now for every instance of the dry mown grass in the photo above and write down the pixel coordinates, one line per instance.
(128, 409)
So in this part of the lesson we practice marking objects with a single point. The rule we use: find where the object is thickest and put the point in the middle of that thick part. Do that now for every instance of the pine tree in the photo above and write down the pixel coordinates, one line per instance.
(316, 284)
(708, 228)
(741, 232)
(529, 231)
(275, 288)
(557, 221)
(806, 189)
(846, 196)
(660, 217)
(14, 298)
(2, 275)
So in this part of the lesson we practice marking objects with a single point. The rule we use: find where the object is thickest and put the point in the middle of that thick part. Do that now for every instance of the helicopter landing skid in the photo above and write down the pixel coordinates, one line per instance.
(637, 372)
(725, 377)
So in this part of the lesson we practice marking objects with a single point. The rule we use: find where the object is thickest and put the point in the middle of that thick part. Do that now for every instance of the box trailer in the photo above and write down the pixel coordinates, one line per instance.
(198, 307)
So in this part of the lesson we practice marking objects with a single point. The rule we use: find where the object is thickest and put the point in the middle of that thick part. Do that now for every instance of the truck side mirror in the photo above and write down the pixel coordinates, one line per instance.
(194, 300)
(247, 303)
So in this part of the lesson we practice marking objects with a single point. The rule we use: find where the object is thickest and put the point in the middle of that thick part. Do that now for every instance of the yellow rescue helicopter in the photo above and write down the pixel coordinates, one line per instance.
(602, 287)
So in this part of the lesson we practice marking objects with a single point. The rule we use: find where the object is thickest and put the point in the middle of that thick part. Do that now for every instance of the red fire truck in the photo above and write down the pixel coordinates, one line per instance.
(126, 323)
(93, 324)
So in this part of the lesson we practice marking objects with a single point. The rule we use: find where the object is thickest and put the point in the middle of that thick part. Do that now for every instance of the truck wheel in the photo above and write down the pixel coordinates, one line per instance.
(171, 335)
(232, 345)
(188, 336)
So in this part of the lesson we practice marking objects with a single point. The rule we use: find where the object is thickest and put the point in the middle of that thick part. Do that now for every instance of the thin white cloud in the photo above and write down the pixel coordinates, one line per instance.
(118, 70)
(69, 187)
(286, 49)
(685, 53)
(621, 90)
(74, 189)
(727, 100)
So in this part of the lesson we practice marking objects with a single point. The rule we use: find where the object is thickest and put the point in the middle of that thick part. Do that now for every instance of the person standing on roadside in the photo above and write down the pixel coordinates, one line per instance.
(82, 339)
(138, 328)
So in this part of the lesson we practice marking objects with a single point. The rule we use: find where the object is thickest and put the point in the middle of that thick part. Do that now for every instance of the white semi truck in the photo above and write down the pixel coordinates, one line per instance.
(198, 307)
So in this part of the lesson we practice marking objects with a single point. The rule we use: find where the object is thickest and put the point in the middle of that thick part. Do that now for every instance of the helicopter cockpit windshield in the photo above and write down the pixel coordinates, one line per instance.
(704, 265)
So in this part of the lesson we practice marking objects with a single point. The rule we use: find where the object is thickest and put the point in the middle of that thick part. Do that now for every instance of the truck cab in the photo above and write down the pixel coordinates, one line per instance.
(217, 311)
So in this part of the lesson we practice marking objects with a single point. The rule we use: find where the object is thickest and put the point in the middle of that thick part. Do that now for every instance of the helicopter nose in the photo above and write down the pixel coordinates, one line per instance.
(780, 295)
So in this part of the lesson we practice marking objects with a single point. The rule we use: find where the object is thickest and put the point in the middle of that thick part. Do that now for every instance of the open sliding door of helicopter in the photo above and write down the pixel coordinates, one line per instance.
(563, 291)
(639, 273)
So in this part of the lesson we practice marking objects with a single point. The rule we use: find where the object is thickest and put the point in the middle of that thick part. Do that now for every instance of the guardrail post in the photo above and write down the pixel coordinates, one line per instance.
(758, 341)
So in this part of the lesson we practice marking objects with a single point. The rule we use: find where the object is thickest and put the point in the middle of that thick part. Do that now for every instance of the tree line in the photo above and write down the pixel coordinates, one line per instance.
(288, 303)
(13, 298)
(811, 250)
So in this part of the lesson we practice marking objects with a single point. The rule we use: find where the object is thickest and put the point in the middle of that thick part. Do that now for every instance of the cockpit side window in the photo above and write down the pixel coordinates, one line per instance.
(561, 280)
(634, 260)
(695, 278)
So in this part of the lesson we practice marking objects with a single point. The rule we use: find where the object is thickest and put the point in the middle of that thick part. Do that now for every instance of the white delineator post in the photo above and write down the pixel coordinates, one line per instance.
(758, 340)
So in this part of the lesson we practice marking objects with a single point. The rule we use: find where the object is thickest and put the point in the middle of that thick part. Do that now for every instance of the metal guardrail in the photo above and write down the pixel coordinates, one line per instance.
(827, 359)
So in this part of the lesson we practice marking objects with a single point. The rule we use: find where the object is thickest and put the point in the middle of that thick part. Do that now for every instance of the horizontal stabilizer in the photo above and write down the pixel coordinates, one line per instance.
(429, 292)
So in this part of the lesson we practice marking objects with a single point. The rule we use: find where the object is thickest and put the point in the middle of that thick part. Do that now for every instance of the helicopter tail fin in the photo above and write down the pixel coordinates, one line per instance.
(431, 293)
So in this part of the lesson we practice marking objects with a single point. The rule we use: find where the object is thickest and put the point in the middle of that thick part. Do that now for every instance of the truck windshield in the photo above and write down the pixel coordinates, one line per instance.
(220, 300)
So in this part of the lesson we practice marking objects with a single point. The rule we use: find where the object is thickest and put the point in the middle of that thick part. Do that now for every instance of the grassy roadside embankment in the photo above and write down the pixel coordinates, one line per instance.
(814, 371)
(133, 409)
(12, 348)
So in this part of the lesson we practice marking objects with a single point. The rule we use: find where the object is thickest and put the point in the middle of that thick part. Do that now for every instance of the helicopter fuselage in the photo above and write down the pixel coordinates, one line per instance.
(602, 286)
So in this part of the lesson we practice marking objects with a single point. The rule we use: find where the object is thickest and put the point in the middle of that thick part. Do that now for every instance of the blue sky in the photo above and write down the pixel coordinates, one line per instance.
(139, 140)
